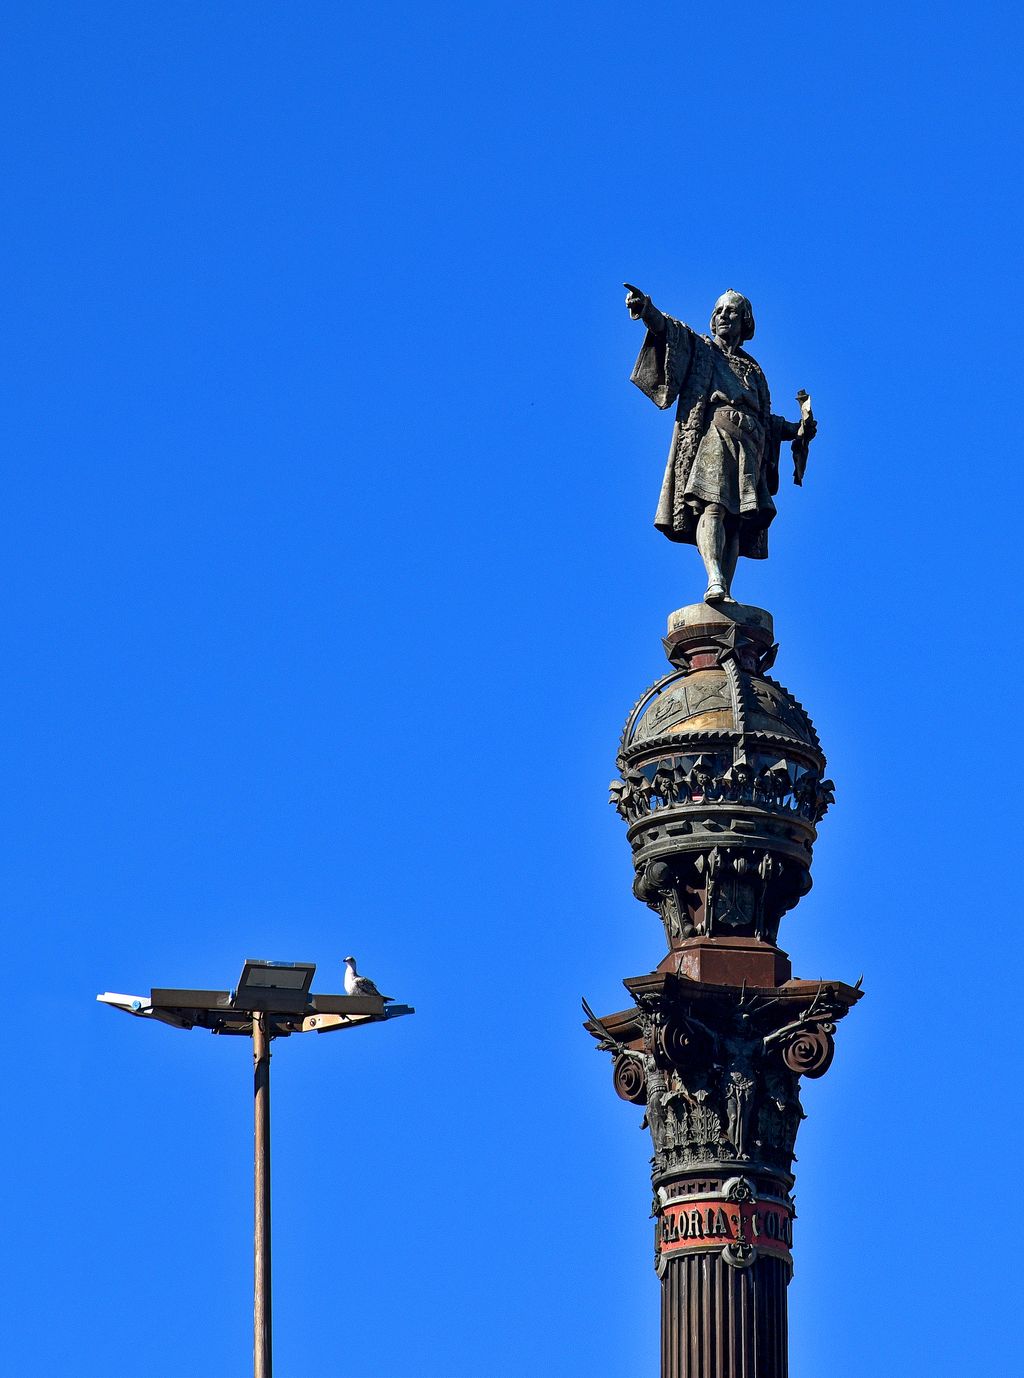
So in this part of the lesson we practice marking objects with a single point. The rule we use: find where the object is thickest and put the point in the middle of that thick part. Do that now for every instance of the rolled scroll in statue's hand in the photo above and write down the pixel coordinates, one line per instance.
(803, 438)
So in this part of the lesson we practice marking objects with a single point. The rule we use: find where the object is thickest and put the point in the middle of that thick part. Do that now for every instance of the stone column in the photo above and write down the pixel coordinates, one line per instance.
(722, 788)
(720, 1323)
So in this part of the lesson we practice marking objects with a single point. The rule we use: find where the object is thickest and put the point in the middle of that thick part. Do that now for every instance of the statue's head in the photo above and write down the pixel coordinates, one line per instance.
(733, 318)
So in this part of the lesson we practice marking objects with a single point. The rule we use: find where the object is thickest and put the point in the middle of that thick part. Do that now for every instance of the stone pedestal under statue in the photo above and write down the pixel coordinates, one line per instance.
(722, 788)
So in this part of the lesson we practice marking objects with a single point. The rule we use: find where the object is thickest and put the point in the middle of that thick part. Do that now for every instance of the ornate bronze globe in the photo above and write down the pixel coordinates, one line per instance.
(722, 784)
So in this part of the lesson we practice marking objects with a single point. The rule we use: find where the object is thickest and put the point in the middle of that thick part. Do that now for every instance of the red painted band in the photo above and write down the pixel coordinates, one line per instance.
(700, 1223)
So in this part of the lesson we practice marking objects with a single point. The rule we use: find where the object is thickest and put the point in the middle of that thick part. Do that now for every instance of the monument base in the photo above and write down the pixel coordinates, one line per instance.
(696, 634)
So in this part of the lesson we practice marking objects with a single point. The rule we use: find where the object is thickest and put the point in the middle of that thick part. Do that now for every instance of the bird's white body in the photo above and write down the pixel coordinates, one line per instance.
(359, 985)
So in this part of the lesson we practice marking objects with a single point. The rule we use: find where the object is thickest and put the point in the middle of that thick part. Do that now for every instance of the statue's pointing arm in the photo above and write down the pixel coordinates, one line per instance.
(666, 352)
(641, 308)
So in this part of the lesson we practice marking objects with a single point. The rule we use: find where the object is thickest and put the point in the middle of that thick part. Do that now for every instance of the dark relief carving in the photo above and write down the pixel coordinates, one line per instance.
(779, 786)
(722, 1085)
(728, 891)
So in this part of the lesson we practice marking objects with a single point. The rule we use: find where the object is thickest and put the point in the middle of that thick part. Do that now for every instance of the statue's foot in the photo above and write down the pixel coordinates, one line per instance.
(716, 593)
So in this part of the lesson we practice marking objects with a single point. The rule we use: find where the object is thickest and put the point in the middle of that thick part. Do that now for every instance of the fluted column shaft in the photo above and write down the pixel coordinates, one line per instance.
(723, 1322)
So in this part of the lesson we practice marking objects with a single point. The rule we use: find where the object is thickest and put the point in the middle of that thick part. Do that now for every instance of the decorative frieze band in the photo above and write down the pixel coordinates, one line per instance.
(777, 786)
(734, 1223)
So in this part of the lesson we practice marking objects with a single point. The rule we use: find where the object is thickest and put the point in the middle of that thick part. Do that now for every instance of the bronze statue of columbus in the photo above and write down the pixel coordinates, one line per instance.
(723, 466)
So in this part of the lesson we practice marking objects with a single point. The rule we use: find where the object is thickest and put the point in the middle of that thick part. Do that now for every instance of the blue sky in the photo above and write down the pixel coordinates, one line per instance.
(327, 578)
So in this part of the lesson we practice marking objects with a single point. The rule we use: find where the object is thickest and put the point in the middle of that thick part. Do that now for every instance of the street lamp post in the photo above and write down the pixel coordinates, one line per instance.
(272, 1000)
(261, 1338)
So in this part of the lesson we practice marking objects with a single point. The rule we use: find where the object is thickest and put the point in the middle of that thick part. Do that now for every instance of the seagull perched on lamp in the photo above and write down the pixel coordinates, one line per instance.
(359, 985)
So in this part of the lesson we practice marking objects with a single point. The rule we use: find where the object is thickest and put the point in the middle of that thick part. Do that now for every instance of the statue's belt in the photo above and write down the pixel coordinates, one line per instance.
(739, 422)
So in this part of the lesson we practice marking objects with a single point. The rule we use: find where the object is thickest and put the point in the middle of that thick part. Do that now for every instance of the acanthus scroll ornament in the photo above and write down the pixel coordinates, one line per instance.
(811, 1051)
(629, 1079)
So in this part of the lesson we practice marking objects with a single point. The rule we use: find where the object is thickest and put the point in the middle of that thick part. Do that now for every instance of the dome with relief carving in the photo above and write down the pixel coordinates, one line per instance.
(722, 772)
(715, 700)
(720, 686)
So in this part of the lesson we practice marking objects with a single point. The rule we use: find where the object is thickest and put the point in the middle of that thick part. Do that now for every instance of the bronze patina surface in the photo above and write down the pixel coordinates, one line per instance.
(722, 786)
(723, 462)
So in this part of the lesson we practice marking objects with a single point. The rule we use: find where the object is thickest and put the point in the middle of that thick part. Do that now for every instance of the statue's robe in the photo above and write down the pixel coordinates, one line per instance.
(725, 443)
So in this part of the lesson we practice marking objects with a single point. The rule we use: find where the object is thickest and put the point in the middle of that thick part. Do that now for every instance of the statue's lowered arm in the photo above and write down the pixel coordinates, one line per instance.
(801, 433)
(805, 432)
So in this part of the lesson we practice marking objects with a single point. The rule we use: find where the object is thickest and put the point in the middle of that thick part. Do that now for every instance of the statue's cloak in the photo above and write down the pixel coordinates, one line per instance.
(679, 366)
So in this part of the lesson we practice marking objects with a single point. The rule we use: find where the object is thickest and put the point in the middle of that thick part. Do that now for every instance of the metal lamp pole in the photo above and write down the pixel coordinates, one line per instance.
(262, 1346)
(272, 1000)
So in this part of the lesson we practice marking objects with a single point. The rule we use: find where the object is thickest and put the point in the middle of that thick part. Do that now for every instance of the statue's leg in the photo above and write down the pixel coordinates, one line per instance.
(711, 544)
(731, 554)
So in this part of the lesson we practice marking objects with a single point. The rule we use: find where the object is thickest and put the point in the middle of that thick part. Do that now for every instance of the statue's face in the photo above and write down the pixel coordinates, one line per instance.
(728, 322)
